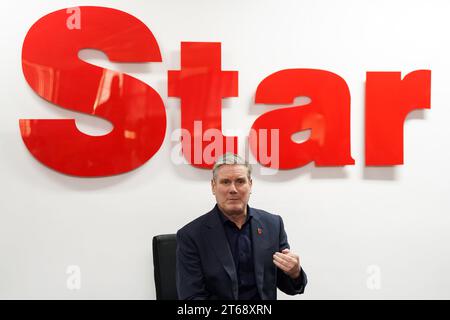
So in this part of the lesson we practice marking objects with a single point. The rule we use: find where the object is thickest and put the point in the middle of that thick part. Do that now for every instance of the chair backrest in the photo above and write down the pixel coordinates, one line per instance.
(164, 263)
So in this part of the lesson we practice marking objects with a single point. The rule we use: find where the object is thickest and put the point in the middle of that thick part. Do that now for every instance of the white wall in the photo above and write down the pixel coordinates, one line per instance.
(340, 221)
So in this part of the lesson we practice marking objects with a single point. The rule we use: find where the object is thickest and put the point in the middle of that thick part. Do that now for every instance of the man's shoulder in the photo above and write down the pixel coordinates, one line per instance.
(265, 215)
(195, 226)
(197, 223)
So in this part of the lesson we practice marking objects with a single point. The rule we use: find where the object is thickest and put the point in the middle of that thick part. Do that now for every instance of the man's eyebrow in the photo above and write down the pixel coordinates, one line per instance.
(229, 179)
(240, 177)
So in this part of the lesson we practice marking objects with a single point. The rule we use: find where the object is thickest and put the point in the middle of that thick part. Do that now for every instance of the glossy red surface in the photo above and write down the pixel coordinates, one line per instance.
(389, 99)
(327, 116)
(53, 70)
(201, 85)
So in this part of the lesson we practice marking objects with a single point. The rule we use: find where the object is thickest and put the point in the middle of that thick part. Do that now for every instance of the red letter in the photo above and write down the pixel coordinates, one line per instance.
(201, 85)
(53, 70)
(328, 117)
(389, 99)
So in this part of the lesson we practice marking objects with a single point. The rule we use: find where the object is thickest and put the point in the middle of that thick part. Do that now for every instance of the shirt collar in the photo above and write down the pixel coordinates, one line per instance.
(224, 218)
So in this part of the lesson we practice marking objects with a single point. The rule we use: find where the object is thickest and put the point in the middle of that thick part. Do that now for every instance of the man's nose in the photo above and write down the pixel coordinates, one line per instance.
(232, 188)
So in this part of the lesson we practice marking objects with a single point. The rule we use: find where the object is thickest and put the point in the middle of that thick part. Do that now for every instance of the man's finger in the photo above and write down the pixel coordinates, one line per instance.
(286, 257)
(281, 266)
(281, 260)
(291, 254)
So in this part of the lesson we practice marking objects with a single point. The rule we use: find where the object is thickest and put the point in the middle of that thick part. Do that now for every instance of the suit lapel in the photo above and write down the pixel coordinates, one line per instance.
(259, 240)
(216, 236)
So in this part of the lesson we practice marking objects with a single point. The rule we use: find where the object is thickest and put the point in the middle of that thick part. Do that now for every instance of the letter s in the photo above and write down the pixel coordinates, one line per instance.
(53, 70)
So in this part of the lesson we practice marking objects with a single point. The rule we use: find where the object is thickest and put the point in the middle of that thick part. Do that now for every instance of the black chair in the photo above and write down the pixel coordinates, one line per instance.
(164, 264)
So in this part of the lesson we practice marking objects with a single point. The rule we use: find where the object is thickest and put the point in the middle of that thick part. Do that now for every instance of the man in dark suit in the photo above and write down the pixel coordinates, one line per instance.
(235, 252)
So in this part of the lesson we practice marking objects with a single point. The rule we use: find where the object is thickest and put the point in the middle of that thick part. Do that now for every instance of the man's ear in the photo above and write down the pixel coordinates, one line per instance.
(213, 186)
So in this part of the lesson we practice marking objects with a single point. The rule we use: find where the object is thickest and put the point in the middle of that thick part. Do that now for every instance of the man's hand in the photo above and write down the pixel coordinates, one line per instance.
(288, 262)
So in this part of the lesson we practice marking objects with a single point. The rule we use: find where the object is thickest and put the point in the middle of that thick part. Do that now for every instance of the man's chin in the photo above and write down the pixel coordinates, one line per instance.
(235, 210)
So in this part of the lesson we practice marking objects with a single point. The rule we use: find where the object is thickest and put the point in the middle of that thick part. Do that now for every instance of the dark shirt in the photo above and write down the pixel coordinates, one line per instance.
(241, 245)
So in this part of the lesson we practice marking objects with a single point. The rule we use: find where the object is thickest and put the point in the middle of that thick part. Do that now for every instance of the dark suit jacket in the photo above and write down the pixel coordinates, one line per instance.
(205, 266)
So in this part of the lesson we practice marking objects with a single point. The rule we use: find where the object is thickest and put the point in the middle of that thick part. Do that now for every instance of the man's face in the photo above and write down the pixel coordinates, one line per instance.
(232, 189)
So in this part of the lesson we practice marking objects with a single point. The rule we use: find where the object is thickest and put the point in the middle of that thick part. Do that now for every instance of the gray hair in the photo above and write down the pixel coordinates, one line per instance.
(231, 158)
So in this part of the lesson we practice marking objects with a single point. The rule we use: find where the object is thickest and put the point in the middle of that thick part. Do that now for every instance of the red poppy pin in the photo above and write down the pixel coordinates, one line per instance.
(259, 230)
